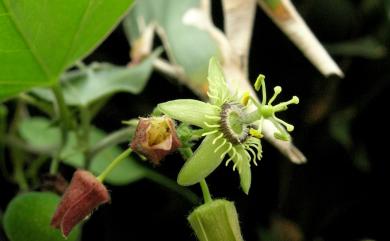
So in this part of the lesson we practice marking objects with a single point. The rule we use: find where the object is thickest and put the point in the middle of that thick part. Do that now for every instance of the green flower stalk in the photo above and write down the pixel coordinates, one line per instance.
(229, 125)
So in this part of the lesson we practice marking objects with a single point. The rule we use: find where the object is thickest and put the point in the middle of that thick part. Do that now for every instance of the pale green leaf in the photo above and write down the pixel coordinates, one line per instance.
(126, 172)
(39, 133)
(40, 38)
(27, 218)
(204, 161)
(191, 50)
(83, 87)
(193, 112)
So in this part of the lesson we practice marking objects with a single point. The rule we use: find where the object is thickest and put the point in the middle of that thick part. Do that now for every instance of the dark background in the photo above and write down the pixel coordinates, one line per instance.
(338, 195)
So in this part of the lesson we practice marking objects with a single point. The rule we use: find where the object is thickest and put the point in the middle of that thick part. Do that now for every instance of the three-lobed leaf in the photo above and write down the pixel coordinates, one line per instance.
(40, 38)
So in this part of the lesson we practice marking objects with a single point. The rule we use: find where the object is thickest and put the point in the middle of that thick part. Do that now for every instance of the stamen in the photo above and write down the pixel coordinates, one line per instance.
(255, 133)
(283, 106)
(288, 126)
(245, 98)
(277, 90)
(259, 82)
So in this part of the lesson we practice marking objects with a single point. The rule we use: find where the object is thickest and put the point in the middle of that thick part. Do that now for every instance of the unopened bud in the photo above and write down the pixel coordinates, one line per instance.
(216, 221)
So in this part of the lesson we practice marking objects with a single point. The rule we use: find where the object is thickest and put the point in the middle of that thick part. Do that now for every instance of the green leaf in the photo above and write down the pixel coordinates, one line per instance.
(41, 38)
(83, 87)
(126, 172)
(38, 133)
(192, 50)
(204, 161)
(27, 218)
(189, 111)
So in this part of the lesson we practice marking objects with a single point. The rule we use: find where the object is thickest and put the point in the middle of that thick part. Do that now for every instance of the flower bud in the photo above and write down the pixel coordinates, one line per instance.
(84, 194)
(155, 137)
(216, 221)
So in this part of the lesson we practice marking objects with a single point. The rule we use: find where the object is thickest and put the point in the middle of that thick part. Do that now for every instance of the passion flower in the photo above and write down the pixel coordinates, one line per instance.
(229, 127)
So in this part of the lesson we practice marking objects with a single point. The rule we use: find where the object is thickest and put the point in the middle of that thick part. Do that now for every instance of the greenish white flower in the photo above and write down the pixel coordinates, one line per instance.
(228, 126)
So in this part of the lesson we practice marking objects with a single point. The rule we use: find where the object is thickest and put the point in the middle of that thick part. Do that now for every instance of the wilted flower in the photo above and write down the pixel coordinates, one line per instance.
(155, 137)
(84, 194)
(229, 126)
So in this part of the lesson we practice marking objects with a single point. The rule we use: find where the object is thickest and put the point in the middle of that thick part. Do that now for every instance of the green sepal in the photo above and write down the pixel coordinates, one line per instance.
(204, 161)
(244, 170)
(217, 83)
(216, 221)
(189, 111)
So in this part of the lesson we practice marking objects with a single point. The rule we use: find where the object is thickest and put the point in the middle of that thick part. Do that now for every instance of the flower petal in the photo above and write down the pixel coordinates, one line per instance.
(244, 169)
(245, 178)
(189, 111)
(217, 83)
(204, 161)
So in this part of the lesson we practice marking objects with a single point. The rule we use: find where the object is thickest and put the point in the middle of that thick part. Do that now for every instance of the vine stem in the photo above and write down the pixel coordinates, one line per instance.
(113, 164)
(18, 159)
(63, 114)
(111, 139)
(85, 119)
